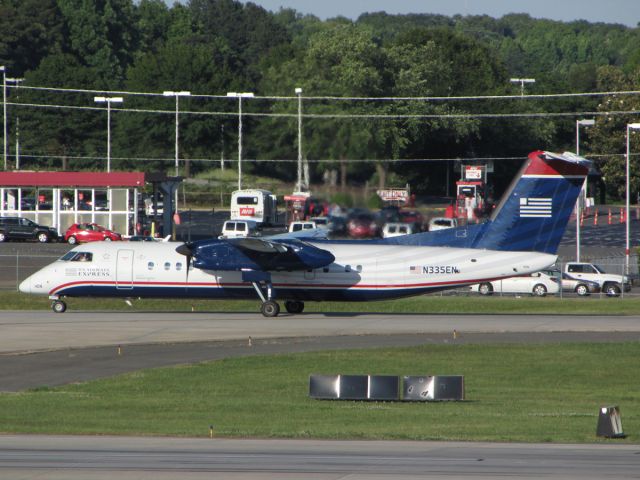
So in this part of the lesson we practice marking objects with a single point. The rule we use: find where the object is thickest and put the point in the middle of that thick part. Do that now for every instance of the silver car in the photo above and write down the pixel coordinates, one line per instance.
(579, 286)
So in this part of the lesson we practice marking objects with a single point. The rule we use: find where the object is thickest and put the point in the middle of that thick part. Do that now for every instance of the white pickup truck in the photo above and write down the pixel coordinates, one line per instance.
(610, 283)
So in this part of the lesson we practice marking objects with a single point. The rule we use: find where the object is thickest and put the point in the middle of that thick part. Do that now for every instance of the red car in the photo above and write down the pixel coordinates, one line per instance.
(362, 226)
(89, 232)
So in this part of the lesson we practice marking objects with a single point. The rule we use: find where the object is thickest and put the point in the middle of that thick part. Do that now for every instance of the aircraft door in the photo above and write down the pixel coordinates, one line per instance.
(124, 270)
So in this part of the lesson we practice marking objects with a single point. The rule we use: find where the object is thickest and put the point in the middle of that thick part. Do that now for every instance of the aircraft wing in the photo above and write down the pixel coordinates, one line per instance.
(253, 253)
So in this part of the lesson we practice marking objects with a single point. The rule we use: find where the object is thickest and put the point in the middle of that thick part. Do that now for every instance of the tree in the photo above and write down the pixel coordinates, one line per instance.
(101, 35)
(31, 30)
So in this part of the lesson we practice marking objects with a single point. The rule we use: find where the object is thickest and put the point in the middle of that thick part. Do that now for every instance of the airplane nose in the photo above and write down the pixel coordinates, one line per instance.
(25, 285)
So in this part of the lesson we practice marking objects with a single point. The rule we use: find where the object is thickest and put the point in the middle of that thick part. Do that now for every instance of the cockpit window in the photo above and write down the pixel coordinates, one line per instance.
(82, 257)
(68, 256)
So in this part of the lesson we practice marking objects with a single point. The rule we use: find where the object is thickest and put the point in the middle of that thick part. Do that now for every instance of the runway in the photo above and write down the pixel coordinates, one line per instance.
(22, 331)
(96, 458)
(38, 348)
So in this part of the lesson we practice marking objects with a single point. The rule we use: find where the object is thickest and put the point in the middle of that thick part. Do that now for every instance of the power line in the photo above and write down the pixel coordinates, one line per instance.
(453, 116)
(292, 160)
(354, 98)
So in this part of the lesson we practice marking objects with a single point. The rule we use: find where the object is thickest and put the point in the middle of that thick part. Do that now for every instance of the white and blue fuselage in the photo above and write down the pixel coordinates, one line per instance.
(360, 272)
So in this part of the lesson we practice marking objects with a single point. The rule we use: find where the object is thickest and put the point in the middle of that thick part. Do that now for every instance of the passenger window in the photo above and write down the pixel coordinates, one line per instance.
(359, 268)
(150, 265)
(325, 270)
(178, 266)
(167, 265)
(347, 268)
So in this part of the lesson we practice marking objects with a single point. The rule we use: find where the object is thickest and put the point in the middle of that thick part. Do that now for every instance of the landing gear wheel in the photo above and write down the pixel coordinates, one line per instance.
(539, 290)
(294, 306)
(59, 306)
(485, 289)
(270, 309)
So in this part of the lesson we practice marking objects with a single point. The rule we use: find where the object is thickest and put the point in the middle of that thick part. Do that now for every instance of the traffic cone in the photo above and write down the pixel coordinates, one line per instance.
(610, 217)
(595, 217)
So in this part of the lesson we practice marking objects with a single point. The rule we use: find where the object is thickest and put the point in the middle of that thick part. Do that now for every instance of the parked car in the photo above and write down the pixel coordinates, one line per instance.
(442, 223)
(537, 284)
(239, 228)
(579, 286)
(89, 232)
(610, 283)
(413, 217)
(337, 225)
(362, 225)
(17, 228)
(395, 229)
(302, 225)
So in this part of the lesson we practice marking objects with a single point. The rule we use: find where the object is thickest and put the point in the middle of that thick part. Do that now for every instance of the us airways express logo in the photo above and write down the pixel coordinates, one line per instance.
(433, 269)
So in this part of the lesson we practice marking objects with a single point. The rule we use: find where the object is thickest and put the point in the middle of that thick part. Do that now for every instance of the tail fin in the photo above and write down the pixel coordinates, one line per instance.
(532, 215)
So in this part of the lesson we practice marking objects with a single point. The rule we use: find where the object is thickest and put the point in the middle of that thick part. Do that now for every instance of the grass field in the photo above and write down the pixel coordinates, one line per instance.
(527, 393)
(595, 305)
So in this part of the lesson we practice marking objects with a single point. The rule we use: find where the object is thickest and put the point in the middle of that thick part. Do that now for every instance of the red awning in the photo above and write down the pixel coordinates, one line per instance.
(71, 179)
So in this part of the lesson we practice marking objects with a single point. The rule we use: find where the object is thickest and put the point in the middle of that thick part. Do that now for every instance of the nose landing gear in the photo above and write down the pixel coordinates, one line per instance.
(58, 306)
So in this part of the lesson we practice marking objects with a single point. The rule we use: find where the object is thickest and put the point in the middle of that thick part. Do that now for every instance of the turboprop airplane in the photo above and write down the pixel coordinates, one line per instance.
(521, 237)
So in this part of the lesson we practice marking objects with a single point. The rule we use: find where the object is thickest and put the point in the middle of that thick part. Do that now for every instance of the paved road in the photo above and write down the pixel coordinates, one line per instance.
(45, 330)
(70, 457)
(43, 348)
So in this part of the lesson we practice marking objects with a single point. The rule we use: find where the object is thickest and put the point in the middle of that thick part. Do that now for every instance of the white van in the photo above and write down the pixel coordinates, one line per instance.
(299, 225)
(238, 228)
(394, 229)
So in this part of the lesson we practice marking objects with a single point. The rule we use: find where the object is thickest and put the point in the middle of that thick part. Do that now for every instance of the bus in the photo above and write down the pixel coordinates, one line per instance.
(259, 206)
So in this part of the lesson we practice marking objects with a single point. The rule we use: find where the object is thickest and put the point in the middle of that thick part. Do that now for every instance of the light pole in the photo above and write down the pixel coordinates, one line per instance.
(299, 184)
(168, 93)
(630, 126)
(240, 96)
(4, 112)
(17, 81)
(108, 101)
(522, 81)
(585, 123)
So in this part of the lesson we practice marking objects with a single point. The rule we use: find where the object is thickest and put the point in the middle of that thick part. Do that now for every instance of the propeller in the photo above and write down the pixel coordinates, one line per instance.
(186, 249)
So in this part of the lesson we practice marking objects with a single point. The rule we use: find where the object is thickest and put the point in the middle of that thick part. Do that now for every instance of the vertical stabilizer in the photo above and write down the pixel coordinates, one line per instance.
(532, 215)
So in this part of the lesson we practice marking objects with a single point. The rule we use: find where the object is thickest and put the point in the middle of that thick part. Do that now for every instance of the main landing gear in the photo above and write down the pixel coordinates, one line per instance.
(271, 308)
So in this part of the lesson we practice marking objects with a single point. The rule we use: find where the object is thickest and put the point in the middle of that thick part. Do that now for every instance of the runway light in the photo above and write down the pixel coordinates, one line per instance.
(210, 431)
(455, 334)
(119, 350)
(250, 343)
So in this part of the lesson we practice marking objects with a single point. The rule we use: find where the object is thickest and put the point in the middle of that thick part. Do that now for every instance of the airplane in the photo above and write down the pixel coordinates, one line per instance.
(521, 237)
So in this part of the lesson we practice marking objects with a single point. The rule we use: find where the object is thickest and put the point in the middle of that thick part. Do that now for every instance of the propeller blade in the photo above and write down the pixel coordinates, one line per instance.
(186, 250)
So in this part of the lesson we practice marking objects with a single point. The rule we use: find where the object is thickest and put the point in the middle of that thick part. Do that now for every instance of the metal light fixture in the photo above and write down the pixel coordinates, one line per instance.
(587, 122)
(17, 81)
(240, 96)
(630, 126)
(168, 93)
(522, 81)
(4, 112)
(108, 101)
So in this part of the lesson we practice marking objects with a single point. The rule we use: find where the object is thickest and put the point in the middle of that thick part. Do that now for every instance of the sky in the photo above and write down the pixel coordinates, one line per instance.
(626, 12)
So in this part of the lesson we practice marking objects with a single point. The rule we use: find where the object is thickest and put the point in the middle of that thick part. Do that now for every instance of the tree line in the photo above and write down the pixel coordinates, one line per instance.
(210, 47)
